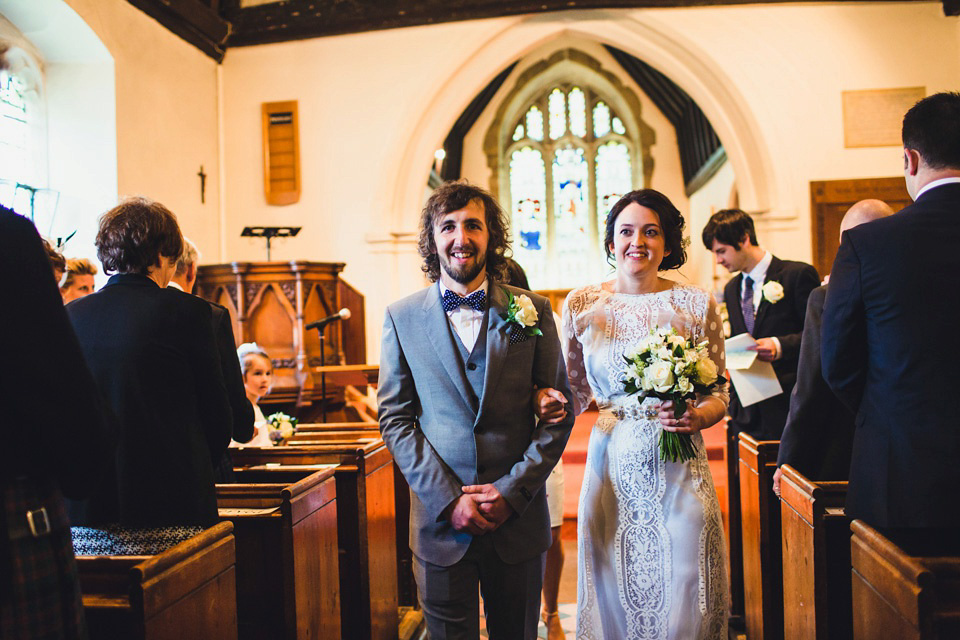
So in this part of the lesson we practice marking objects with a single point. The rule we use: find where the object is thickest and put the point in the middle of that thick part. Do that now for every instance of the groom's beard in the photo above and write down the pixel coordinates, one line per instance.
(464, 274)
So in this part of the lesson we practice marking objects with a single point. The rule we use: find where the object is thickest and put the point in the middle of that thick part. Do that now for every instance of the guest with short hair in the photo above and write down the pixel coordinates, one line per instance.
(57, 262)
(154, 356)
(77, 280)
(184, 279)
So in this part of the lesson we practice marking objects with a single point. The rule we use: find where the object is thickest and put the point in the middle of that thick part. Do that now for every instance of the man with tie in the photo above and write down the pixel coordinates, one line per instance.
(462, 364)
(768, 300)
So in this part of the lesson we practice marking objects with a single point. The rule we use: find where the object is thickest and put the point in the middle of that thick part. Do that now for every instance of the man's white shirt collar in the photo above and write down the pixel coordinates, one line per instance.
(935, 184)
(174, 285)
(466, 321)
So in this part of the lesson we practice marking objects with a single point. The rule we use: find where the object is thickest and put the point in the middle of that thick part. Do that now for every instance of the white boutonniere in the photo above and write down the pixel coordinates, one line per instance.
(522, 314)
(772, 291)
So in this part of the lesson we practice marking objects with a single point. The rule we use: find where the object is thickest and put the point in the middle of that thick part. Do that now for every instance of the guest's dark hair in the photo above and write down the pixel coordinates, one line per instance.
(134, 234)
(728, 227)
(57, 262)
(671, 224)
(516, 276)
(453, 196)
(932, 128)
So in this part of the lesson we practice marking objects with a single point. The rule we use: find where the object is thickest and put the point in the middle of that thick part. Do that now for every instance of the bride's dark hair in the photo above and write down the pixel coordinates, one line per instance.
(671, 223)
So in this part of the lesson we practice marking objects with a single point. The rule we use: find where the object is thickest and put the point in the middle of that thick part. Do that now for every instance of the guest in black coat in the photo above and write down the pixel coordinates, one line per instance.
(56, 439)
(818, 437)
(184, 278)
(890, 348)
(768, 300)
(154, 356)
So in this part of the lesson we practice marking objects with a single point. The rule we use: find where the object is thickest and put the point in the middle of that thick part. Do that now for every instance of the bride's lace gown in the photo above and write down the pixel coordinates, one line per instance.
(651, 553)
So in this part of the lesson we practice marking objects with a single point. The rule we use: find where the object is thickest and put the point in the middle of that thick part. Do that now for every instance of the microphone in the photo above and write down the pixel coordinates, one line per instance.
(343, 314)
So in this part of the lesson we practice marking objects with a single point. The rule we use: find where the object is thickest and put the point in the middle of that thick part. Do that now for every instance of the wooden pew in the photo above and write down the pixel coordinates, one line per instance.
(314, 433)
(760, 520)
(905, 588)
(288, 580)
(366, 528)
(816, 559)
(734, 530)
(188, 591)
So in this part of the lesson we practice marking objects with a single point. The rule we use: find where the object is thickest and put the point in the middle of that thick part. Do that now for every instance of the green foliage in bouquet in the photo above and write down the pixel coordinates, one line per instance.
(668, 366)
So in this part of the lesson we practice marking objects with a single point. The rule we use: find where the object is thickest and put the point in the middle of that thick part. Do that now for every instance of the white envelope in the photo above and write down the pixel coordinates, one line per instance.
(738, 357)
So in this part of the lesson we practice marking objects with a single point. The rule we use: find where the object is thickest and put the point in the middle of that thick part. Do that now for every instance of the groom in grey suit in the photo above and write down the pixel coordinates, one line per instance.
(458, 386)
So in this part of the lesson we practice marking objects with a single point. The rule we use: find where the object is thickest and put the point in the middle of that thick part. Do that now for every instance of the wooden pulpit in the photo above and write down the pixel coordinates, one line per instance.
(271, 303)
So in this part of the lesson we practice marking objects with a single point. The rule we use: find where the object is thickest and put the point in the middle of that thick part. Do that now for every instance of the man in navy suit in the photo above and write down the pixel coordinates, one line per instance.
(768, 300)
(890, 350)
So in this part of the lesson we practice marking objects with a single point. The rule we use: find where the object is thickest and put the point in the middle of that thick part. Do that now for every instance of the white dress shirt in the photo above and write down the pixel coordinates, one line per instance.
(466, 322)
(934, 184)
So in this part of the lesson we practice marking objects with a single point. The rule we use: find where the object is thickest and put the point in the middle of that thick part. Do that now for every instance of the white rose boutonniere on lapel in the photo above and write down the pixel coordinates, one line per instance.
(521, 317)
(772, 291)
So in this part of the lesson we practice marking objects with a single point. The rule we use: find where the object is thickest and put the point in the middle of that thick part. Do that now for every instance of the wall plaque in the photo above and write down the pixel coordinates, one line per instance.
(873, 118)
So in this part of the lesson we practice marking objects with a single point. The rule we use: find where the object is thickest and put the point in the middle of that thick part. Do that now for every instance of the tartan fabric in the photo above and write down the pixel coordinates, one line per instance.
(117, 540)
(40, 593)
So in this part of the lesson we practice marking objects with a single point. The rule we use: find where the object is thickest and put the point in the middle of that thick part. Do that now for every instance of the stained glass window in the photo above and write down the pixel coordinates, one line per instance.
(558, 113)
(563, 184)
(601, 120)
(578, 112)
(528, 208)
(535, 123)
(613, 177)
(14, 127)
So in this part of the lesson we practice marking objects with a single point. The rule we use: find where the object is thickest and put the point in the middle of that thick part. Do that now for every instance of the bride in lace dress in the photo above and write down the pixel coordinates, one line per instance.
(651, 553)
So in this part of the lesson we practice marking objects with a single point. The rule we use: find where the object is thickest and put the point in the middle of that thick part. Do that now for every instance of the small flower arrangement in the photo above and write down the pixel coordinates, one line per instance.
(522, 313)
(772, 291)
(667, 366)
(281, 427)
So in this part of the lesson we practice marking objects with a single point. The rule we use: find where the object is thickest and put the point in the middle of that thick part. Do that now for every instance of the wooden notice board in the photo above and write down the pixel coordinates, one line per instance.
(873, 118)
(281, 152)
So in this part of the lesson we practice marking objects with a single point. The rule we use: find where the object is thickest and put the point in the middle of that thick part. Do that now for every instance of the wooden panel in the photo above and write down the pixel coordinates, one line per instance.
(281, 163)
(760, 519)
(366, 527)
(734, 528)
(354, 330)
(287, 557)
(816, 558)
(188, 591)
(830, 199)
(898, 593)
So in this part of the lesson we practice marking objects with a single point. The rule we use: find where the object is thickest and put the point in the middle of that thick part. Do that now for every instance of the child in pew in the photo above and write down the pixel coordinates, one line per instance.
(257, 371)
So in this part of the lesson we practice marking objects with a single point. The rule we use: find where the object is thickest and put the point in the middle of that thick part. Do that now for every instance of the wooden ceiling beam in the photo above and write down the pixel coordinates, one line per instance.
(196, 21)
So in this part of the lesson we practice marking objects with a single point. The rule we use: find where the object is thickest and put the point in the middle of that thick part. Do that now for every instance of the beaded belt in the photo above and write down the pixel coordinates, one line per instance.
(612, 413)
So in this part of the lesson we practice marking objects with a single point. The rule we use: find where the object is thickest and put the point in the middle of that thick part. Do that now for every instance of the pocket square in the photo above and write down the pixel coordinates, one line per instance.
(516, 334)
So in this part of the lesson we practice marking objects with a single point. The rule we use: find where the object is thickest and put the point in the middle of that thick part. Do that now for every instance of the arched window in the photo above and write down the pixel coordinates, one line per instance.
(14, 127)
(570, 159)
(23, 139)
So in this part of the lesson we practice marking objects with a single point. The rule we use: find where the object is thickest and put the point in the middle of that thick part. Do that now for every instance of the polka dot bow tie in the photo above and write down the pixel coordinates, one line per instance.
(476, 300)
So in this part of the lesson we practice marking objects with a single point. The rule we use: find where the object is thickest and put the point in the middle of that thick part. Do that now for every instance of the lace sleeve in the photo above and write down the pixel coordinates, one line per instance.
(573, 356)
(713, 331)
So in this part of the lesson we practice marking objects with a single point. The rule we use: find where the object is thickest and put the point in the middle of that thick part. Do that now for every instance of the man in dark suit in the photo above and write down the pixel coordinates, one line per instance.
(184, 278)
(890, 350)
(56, 438)
(153, 354)
(768, 300)
(818, 437)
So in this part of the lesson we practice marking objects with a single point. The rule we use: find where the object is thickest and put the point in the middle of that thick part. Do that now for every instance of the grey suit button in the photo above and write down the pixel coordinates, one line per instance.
(472, 367)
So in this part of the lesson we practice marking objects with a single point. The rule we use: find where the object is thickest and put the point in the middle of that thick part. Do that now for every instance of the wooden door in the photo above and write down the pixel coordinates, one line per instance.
(830, 199)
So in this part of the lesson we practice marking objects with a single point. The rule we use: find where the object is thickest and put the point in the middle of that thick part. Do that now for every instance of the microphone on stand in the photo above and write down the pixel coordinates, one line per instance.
(343, 314)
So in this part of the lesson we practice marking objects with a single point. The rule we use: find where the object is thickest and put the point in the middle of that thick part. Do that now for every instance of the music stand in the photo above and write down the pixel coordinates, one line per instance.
(269, 233)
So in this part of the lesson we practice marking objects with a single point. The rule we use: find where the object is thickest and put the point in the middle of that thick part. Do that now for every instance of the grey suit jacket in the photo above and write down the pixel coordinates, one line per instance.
(441, 443)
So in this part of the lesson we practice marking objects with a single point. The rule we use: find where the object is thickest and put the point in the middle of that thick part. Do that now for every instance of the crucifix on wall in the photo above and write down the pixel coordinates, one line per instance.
(203, 185)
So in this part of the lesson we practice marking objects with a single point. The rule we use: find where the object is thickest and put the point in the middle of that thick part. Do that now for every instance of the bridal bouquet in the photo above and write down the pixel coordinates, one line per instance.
(667, 366)
(281, 427)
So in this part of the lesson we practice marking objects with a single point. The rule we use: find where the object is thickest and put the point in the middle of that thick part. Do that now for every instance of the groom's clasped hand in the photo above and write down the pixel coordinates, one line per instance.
(480, 508)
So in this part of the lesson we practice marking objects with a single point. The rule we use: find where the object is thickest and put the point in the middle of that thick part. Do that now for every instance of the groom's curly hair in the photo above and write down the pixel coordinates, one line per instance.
(453, 196)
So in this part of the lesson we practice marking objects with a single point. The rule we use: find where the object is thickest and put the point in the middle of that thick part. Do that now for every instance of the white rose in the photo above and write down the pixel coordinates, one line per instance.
(286, 429)
(526, 313)
(676, 341)
(660, 376)
(772, 291)
(684, 385)
(706, 371)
